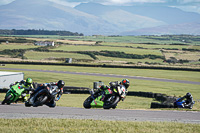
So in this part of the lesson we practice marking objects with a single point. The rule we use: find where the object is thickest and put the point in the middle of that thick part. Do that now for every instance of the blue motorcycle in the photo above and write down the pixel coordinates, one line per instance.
(181, 103)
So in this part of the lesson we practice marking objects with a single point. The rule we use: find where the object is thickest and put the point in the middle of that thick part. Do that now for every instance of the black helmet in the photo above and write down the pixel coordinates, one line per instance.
(125, 82)
(60, 84)
(188, 95)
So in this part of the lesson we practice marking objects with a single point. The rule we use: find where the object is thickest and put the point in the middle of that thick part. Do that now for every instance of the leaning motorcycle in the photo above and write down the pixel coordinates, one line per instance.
(42, 97)
(180, 103)
(107, 99)
(14, 94)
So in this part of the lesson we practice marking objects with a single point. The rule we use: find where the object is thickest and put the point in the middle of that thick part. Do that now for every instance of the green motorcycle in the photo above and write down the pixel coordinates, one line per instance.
(14, 94)
(106, 99)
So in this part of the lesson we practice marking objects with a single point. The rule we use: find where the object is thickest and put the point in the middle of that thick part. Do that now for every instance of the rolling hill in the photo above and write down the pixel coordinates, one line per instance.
(28, 14)
(94, 18)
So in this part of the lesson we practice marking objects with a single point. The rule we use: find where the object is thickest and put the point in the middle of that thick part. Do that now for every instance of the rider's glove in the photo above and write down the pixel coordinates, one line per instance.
(23, 94)
(22, 82)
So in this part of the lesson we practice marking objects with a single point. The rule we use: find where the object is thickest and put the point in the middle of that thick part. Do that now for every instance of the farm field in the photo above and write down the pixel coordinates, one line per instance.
(16, 46)
(33, 55)
(165, 39)
(101, 48)
(165, 51)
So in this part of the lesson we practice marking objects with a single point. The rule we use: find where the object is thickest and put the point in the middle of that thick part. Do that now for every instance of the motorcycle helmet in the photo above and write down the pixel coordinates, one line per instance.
(60, 84)
(29, 81)
(126, 83)
(188, 95)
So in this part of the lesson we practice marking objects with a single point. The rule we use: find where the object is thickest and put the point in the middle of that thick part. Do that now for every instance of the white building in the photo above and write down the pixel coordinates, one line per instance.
(44, 43)
(6, 78)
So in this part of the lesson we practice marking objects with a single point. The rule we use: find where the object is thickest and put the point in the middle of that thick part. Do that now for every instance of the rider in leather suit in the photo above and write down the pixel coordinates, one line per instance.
(60, 84)
(189, 102)
(112, 86)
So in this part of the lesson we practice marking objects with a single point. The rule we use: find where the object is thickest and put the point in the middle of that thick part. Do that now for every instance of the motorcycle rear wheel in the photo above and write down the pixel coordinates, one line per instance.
(111, 104)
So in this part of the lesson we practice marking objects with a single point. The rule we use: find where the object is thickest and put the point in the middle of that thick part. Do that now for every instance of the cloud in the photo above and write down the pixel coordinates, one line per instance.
(186, 5)
(4, 2)
(188, 1)
(65, 3)
(136, 1)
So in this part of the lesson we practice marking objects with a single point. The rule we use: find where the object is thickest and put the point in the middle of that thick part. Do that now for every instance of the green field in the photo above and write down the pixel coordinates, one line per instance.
(100, 48)
(16, 46)
(147, 46)
(168, 39)
(181, 51)
(33, 55)
(92, 126)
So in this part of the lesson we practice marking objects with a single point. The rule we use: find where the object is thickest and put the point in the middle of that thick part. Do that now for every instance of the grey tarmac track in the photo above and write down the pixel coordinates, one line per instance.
(18, 111)
(107, 75)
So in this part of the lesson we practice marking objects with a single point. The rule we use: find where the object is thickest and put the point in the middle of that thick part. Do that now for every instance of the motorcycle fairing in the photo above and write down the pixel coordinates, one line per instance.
(98, 103)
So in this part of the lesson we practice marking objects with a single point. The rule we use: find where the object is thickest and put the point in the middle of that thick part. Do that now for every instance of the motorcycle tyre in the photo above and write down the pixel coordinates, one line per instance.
(7, 99)
(27, 104)
(40, 103)
(87, 102)
(112, 105)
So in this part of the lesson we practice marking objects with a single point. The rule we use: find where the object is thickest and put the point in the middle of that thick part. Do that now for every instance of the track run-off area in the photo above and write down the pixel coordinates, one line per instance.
(107, 75)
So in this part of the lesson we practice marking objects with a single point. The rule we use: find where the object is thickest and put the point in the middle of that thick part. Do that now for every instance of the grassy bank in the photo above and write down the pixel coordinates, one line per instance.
(93, 126)
(166, 74)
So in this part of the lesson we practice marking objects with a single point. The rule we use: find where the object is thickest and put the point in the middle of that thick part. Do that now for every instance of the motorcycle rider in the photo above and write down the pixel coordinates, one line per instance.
(27, 84)
(60, 84)
(189, 102)
(112, 86)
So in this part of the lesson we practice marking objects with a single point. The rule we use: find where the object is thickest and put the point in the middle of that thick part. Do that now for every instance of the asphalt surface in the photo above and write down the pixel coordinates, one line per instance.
(107, 75)
(18, 111)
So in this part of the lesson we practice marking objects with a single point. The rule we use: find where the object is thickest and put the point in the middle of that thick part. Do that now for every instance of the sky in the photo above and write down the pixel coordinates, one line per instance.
(186, 5)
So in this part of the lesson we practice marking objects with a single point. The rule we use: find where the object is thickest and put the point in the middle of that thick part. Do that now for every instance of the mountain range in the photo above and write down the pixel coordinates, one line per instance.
(94, 18)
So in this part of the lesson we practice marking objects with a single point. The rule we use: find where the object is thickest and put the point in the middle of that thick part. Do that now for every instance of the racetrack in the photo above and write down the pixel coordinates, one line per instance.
(16, 111)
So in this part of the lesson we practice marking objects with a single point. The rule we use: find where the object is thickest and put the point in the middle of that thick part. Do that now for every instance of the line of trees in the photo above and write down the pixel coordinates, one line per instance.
(38, 32)
(119, 55)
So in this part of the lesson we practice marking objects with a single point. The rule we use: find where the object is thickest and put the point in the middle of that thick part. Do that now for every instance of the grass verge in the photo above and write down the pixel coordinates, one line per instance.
(93, 126)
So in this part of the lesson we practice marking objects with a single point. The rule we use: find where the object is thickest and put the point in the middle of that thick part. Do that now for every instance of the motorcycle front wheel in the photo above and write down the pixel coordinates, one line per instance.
(111, 102)
(40, 98)
(7, 99)
(87, 102)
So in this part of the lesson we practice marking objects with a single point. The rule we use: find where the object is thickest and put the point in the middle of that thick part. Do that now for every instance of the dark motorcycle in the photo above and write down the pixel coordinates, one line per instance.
(106, 99)
(42, 97)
